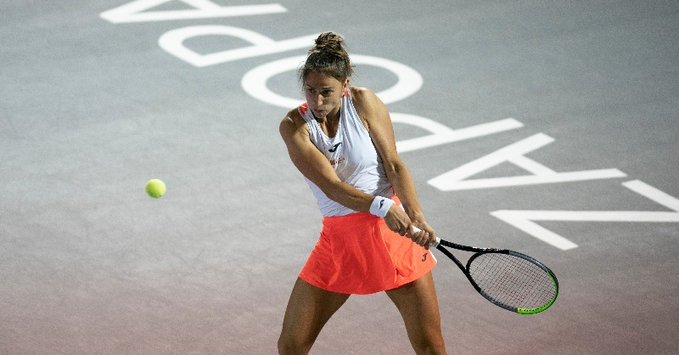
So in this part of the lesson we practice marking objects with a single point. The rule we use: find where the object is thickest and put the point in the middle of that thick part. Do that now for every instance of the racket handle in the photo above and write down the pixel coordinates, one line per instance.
(416, 230)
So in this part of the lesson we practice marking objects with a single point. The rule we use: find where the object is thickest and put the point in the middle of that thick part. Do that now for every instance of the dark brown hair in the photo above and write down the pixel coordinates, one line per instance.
(328, 57)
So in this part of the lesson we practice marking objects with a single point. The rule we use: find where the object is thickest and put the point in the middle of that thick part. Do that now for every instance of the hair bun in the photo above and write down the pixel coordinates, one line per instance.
(328, 56)
(329, 41)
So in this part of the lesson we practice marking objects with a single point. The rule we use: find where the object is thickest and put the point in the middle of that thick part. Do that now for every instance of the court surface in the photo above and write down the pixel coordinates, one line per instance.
(580, 172)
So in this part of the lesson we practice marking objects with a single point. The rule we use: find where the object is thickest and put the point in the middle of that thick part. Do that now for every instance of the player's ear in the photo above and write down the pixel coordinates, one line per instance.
(345, 86)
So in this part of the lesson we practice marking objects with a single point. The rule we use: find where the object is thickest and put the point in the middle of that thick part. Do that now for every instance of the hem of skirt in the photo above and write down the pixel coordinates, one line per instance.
(414, 278)
(311, 281)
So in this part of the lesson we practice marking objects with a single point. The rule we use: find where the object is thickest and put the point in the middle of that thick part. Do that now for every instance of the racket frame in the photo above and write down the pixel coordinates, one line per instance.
(441, 244)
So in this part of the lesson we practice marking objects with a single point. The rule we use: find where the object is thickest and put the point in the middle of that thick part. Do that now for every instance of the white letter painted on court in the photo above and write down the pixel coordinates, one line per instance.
(254, 82)
(173, 43)
(525, 219)
(135, 11)
(441, 134)
(514, 154)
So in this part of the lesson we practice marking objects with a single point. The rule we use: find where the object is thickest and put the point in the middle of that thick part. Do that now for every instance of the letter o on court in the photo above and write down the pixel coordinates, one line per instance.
(254, 82)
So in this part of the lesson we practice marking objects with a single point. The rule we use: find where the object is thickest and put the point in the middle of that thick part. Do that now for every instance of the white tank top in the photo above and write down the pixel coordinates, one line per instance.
(353, 155)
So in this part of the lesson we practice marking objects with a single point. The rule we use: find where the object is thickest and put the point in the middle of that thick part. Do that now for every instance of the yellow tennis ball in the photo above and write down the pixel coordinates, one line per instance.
(156, 188)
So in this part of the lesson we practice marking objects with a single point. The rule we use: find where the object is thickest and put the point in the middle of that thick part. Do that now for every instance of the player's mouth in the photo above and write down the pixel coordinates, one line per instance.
(320, 113)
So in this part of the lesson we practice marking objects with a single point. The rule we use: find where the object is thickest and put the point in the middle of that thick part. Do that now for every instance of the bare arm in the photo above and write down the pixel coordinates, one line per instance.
(316, 167)
(376, 116)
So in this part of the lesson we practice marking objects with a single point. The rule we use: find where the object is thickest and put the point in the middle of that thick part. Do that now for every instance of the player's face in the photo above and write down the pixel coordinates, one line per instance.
(323, 94)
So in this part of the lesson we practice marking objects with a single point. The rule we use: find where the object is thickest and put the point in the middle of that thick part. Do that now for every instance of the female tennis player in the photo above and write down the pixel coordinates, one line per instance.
(342, 141)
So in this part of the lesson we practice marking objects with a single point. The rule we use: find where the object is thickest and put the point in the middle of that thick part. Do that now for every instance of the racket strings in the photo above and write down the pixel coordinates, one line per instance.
(512, 280)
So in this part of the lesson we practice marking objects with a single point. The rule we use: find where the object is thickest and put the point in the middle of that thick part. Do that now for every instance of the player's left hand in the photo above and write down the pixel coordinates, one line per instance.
(422, 234)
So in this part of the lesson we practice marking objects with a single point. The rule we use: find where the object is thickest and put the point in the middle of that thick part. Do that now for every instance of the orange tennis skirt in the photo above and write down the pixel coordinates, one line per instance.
(359, 254)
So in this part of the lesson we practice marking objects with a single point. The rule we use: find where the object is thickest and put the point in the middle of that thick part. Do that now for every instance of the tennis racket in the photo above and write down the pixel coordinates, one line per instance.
(508, 279)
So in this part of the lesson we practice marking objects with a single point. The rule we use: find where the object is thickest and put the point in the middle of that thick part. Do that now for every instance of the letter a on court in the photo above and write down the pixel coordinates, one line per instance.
(514, 154)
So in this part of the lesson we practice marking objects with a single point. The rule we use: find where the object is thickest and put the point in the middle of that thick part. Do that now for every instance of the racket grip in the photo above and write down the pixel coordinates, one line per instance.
(416, 230)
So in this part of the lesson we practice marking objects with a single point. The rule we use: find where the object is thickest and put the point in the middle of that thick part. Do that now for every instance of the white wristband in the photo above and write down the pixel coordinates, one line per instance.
(381, 206)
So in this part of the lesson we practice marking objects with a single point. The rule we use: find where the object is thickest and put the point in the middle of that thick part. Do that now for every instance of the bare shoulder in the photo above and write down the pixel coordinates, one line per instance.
(368, 105)
(291, 123)
(363, 98)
